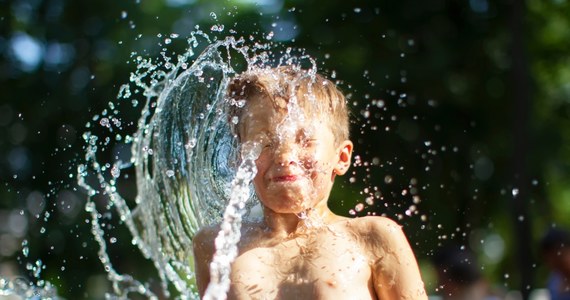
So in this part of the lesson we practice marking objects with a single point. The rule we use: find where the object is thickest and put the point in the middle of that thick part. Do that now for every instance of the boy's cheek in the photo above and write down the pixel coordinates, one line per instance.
(309, 165)
(261, 162)
(311, 161)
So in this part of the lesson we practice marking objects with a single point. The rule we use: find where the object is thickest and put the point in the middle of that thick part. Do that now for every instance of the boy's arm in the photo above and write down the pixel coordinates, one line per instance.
(203, 246)
(395, 271)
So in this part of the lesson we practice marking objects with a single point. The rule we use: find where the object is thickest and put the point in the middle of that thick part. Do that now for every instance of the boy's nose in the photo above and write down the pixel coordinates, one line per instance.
(285, 155)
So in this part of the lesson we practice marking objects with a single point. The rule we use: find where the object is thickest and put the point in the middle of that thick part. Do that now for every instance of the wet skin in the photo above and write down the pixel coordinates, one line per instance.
(300, 249)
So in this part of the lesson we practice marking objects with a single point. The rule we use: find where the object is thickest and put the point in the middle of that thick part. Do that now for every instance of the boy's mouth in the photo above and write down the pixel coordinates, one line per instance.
(285, 178)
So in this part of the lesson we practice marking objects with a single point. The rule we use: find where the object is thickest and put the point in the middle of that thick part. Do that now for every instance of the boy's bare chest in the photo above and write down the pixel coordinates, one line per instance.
(319, 267)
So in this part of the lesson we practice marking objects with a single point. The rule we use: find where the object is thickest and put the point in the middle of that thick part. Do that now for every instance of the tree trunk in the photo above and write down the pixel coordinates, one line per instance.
(521, 100)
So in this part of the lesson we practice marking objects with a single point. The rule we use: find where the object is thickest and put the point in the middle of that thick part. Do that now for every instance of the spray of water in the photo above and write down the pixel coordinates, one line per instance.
(189, 170)
(26, 290)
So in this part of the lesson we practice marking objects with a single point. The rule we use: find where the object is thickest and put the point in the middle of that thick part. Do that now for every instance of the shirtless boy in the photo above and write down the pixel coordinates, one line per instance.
(300, 249)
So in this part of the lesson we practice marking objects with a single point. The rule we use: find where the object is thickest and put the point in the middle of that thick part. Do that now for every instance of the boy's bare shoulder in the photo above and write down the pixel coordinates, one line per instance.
(378, 233)
(204, 239)
(374, 225)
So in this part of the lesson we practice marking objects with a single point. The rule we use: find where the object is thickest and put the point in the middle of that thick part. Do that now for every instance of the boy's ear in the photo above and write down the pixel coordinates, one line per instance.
(344, 157)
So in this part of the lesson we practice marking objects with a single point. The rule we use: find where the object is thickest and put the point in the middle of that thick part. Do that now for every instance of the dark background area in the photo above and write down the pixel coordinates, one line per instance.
(460, 119)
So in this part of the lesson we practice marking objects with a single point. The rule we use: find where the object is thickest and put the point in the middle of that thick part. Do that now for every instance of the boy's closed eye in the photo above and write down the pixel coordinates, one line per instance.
(306, 139)
(267, 142)
(310, 142)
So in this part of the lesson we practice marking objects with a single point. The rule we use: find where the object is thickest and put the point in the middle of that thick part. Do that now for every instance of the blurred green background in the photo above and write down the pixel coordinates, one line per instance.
(463, 104)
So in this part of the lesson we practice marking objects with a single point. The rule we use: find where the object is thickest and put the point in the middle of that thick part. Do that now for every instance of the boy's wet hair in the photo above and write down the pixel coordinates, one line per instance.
(314, 94)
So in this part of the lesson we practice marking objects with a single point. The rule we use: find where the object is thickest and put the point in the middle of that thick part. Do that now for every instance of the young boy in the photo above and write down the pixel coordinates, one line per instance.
(300, 249)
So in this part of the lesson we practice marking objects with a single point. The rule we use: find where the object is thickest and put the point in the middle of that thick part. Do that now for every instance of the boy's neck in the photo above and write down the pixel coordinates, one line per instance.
(288, 225)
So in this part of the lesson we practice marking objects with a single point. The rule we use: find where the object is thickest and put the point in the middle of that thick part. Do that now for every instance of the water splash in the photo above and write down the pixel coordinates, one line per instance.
(21, 288)
(186, 163)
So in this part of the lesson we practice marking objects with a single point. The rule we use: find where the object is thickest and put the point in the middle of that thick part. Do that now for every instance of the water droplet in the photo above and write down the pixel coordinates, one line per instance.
(359, 207)
(115, 172)
(515, 192)
(217, 28)
(388, 179)
(191, 143)
(357, 10)
(375, 161)
(417, 199)
(124, 14)
(113, 240)
(169, 173)
(105, 122)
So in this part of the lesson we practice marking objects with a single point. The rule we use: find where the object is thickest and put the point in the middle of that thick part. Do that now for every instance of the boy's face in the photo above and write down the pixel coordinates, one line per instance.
(299, 159)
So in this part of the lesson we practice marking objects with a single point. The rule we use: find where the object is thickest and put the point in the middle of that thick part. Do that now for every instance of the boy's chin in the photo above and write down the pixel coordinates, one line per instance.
(292, 198)
(292, 189)
(286, 206)
(286, 211)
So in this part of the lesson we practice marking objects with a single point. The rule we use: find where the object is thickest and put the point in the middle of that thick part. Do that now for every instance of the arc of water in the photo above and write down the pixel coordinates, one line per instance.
(184, 167)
